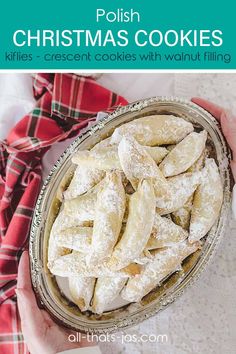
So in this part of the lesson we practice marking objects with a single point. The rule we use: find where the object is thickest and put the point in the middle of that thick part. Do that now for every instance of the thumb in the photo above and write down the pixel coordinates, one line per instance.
(30, 314)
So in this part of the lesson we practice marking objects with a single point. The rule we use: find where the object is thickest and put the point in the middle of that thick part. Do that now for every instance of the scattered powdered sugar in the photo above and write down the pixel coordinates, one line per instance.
(135, 161)
(113, 196)
(184, 154)
(154, 130)
(81, 290)
(165, 232)
(83, 180)
(110, 209)
(106, 290)
(207, 201)
(164, 263)
(82, 208)
(138, 227)
(75, 238)
(181, 188)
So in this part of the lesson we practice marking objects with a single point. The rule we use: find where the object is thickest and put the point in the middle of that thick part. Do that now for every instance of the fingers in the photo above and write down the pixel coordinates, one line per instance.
(24, 281)
(30, 314)
(228, 124)
(212, 108)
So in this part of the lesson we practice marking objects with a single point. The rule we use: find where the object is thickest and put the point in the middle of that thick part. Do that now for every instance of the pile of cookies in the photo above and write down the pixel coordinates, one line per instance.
(138, 204)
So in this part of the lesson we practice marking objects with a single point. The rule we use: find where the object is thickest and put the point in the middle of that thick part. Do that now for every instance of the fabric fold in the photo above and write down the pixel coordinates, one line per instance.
(66, 103)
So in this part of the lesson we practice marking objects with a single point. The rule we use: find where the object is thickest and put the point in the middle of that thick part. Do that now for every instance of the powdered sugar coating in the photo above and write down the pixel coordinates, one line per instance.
(181, 188)
(154, 130)
(74, 264)
(104, 158)
(184, 154)
(138, 227)
(81, 290)
(137, 164)
(165, 262)
(106, 290)
(207, 201)
(165, 233)
(62, 222)
(83, 180)
(75, 238)
(82, 208)
(182, 216)
(110, 209)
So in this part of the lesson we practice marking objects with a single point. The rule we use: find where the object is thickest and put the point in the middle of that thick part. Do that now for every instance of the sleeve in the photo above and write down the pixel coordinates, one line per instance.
(87, 350)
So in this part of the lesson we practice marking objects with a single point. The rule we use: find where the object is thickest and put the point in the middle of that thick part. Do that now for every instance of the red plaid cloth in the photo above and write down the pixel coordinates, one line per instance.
(66, 103)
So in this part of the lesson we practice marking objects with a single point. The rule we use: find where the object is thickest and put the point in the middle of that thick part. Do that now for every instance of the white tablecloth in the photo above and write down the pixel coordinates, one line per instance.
(203, 320)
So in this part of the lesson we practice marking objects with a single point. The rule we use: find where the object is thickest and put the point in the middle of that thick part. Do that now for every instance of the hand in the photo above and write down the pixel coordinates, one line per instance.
(41, 333)
(228, 125)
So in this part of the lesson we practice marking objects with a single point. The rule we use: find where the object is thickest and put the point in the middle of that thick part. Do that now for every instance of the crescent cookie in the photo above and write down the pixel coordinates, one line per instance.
(83, 180)
(106, 159)
(182, 216)
(164, 233)
(207, 202)
(137, 164)
(138, 228)
(61, 222)
(154, 130)
(74, 264)
(106, 290)
(81, 290)
(109, 214)
(75, 238)
(157, 153)
(54, 250)
(181, 188)
(165, 262)
(184, 154)
(82, 208)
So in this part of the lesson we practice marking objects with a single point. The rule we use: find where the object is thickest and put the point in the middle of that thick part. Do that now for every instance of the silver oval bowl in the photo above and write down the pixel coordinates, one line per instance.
(44, 283)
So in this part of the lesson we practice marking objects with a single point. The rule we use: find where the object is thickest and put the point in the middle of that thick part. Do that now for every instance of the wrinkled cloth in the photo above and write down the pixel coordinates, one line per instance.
(65, 104)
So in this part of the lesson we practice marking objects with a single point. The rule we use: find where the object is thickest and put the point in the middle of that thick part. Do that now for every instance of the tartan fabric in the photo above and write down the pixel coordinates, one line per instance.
(65, 104)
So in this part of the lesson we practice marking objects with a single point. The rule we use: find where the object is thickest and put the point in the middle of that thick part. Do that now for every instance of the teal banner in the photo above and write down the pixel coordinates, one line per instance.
(124, 34)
